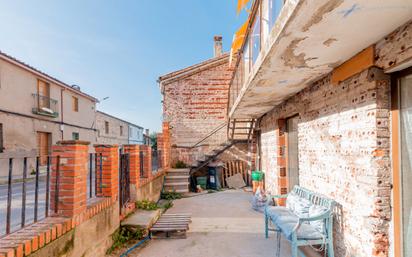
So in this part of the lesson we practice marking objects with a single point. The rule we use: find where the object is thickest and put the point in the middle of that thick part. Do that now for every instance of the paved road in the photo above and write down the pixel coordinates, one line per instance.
(16, 205)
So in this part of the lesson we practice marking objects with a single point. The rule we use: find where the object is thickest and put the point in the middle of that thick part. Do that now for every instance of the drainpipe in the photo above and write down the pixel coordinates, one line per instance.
(62, 118)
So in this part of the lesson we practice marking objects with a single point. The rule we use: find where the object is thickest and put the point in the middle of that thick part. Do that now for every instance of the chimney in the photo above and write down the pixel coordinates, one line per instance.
(218, 46)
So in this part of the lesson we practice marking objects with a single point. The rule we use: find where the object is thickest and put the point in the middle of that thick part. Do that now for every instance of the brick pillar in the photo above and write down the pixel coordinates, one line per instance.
(147, 161)
(282, 182)
(110, 172)
(166, 143)
(161, 149)
(72, 177)
(134, 168)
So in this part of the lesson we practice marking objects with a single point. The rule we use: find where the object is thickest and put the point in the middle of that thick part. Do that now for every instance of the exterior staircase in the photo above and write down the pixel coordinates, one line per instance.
(177, 180)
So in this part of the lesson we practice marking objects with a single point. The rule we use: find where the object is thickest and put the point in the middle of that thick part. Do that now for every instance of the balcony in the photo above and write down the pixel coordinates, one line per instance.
(44, 105)
(289, 44)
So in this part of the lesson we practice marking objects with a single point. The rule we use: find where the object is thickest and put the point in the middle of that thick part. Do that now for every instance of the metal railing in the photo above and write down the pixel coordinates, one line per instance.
(44, 105)
(25, 198)
(95, 175)
(156, 161)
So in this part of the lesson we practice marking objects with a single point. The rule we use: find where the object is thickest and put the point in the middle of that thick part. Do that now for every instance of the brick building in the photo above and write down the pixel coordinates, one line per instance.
(324, 87)
(195, 101)
(329, 85)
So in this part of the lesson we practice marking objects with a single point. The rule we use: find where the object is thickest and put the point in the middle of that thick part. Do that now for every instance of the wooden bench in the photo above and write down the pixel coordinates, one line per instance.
(307, 220)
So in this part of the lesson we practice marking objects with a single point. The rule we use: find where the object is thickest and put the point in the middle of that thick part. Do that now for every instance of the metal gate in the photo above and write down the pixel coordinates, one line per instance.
(124, 180)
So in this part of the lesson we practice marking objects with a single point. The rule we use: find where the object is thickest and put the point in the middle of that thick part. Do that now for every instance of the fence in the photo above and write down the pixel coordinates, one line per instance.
(156, 161)
(95, 178)
(27, 195)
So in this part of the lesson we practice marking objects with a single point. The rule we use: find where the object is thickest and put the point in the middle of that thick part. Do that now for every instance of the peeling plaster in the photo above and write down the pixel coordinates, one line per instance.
(318, 15)
(290, 58)
(329, 42)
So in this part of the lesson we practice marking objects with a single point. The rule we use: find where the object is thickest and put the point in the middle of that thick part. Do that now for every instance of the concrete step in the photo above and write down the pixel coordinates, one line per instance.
(178, 172)
(177, 176)
(182, 179)
(176, 183)
(185, 190)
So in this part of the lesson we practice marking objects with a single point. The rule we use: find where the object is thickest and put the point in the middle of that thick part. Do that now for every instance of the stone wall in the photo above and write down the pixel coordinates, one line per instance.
(195, 105)
(344, 140)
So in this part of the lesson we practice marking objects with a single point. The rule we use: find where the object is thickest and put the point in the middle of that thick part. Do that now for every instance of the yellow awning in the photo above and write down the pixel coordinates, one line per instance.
(241, 4)
(238, 39)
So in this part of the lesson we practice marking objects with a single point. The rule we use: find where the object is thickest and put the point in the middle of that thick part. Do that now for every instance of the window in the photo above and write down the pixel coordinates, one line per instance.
(274, 9)
(292, 151)
(75, 104)
(121, 130)
(75, 136)
(106, 127)
(1, 138)
(255, 39)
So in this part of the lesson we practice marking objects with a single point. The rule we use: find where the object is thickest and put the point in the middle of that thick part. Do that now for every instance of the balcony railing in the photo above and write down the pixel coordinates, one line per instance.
(263, 19)
(44, 105)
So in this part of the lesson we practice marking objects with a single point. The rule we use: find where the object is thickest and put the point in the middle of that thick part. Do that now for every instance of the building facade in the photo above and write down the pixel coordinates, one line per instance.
(37, 110)
(329, 85)
(112, 130)
(195, 105)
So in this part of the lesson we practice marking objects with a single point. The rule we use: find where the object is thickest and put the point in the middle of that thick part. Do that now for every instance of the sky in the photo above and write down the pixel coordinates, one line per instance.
(117, 48)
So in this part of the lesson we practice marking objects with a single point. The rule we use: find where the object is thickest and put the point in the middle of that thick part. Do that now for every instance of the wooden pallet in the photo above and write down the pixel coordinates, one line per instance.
(171, 226)
(232, 168)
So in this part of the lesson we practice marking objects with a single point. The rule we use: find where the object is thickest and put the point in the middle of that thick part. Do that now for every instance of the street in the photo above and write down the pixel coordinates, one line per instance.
(16, 203)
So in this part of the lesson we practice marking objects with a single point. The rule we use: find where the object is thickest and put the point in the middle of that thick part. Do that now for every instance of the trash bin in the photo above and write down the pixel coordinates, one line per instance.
(201, 181)
(212, 178)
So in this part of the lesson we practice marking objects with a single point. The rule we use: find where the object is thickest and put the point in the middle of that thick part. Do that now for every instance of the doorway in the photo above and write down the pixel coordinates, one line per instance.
(292, 151)
(43, 146)
(402, 161)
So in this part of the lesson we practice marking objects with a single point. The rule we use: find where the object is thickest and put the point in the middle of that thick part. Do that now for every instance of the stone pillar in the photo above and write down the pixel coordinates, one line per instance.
(70, 174)
(110, 172)
(134, 168)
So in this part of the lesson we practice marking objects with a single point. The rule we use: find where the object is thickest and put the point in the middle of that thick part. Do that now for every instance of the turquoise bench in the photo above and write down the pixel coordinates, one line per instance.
(306, 220)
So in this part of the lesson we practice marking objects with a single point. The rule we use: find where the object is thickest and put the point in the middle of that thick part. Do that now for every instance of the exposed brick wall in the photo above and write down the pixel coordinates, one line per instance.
(343, 136)
(195, 105)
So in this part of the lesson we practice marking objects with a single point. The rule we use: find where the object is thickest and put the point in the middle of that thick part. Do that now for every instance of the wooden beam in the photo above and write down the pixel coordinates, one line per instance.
(354, 65)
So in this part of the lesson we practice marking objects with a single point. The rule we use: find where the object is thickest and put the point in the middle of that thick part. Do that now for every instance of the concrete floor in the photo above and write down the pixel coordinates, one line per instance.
(223, 224)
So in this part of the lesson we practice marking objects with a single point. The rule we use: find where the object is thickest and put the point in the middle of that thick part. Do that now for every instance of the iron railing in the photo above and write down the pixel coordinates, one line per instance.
(44, 105)
(156, 161)
(25, 198)
(141, 164)
(124, 180)
(95, 175)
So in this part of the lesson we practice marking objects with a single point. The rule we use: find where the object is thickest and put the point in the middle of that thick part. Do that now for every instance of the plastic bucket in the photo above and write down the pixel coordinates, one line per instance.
(257, 175)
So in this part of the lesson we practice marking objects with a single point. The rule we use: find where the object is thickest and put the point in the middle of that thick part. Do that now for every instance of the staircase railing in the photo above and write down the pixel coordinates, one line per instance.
(211, 133)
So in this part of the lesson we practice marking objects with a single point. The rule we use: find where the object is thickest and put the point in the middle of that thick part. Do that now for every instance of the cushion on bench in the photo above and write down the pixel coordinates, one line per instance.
(299, 206)
(286, 220)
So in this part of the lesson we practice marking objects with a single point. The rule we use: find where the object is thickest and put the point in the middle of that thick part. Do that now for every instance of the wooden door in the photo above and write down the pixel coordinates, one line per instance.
(44, 94)
(43, 142)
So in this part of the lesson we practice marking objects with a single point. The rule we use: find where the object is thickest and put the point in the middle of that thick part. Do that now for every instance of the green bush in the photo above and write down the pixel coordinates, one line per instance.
(168, 205)
(123, 235)
(180, 165)
(171, 195)
(147, 205)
